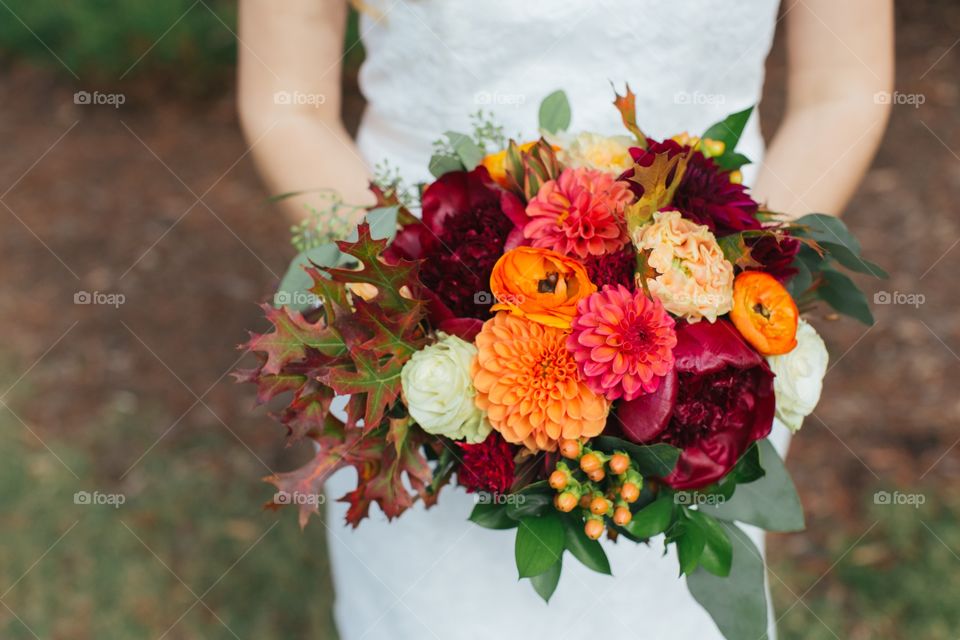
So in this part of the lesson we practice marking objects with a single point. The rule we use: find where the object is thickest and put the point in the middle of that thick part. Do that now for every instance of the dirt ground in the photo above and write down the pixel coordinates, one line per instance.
(159, 201)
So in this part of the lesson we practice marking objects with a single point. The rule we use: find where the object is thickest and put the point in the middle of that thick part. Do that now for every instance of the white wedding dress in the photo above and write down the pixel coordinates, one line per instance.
(431, 63)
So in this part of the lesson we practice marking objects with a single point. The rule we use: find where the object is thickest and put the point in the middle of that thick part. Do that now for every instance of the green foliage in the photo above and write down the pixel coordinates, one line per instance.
(539, 543)
(555, 112)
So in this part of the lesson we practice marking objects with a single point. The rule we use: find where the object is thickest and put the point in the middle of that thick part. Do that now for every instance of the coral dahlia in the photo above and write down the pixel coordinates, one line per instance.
(579, 214)
(529, 384)
(623, 342)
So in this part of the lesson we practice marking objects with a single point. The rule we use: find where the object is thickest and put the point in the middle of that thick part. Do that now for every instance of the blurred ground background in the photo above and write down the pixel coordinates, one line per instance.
(158, 200)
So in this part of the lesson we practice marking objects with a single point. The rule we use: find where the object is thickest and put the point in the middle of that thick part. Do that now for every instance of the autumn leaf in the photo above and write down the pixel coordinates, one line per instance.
(627, 106)
(379, 383)
(737, 252)
(659, 182)
(291, 338)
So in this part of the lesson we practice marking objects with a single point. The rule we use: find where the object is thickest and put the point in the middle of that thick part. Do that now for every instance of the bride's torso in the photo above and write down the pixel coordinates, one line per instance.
(430, 64)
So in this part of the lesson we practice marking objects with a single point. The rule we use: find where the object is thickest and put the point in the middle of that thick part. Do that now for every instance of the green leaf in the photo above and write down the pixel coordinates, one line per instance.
(729, 129)
(653, 519)
(770, 503)
(539, 543)
(717, 550)
(555, 112)
(651, 460)
(731, 161)
(690, 544)
(589, 552)
(492, 516)
(842, 254)
(532, 500)
(546, 583)
(295, 285)
(468, 151)
(824, 228)
(738, 602)
(844, 296)
(441, 164)
(748, 467)
(802, 281)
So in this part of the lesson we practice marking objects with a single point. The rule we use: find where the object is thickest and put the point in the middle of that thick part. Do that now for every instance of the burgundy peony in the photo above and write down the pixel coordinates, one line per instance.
(460, 238)
(487, 466)
(716, 403)
(613, 268)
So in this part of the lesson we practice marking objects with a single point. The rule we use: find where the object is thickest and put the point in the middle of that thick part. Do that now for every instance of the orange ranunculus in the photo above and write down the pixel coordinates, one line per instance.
(764, 313)
(496, 163)
(539, 284)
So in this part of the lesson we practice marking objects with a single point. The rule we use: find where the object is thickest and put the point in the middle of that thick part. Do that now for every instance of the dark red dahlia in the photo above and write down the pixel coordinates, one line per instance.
(775, 255)
(707, 197)
(460, 238)
(613, 268)
(718, 401)
(487, 466)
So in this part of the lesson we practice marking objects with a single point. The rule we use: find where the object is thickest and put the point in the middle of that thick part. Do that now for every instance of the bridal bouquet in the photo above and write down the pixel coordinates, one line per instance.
(592, 334)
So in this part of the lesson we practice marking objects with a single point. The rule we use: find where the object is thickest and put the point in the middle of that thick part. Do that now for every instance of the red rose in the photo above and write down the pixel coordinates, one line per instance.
(487, 466)
(460, 238)
(718, 401)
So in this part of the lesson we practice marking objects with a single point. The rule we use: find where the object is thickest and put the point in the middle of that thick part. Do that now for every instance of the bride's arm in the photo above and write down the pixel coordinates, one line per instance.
(840, 58)
(290, 55)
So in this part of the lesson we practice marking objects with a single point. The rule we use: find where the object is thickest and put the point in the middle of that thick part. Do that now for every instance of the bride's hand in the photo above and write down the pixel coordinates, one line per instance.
(290, 56)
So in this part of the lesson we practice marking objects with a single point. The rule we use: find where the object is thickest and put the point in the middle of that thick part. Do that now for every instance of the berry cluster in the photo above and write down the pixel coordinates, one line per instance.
(601, 485)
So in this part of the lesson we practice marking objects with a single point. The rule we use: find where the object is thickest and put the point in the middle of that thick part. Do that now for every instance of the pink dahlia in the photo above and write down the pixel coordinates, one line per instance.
(622, 342)
(579, 214)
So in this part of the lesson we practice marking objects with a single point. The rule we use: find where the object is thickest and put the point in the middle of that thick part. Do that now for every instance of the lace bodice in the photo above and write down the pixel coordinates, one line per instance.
(431, 63)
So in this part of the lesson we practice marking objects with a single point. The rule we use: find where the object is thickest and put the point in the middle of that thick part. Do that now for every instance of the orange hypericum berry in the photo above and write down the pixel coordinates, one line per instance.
(599, 506)
(590, 462)
(565, 501)
(569, 448)
(622, 516)
(619, 463)
(593, 528)
(764, 313)
(558, 479)
(629, 492)
(597, 475)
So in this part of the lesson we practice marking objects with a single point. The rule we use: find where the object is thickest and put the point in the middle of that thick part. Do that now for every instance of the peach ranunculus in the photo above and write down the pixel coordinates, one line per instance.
(609, 154)
(539, 284)
(693, 278)
(528, 384)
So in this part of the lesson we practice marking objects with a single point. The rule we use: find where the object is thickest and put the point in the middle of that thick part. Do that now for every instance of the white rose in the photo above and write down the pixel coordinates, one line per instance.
(799, 378)
(610, 154)
(439, 391)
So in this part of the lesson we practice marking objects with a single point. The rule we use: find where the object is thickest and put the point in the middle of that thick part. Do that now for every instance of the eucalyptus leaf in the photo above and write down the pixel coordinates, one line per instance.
(546, 583)
(296, 283)
(770, 503)
(441, 164)
(555, 112)
(825, 228)
(729, 129)
(589, 552)
(844, 296)
(539, 543)
(842, 254)
(492, 516)
(382, 221)
(468, 151)
(738, 602)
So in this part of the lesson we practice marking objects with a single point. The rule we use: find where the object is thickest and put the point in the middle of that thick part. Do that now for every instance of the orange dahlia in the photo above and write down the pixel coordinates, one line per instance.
(529, 385)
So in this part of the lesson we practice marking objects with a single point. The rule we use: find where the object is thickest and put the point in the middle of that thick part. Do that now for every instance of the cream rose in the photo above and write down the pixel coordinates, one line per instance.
(439, 391)
(610, 154)
(799, 378)
(694, 279)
